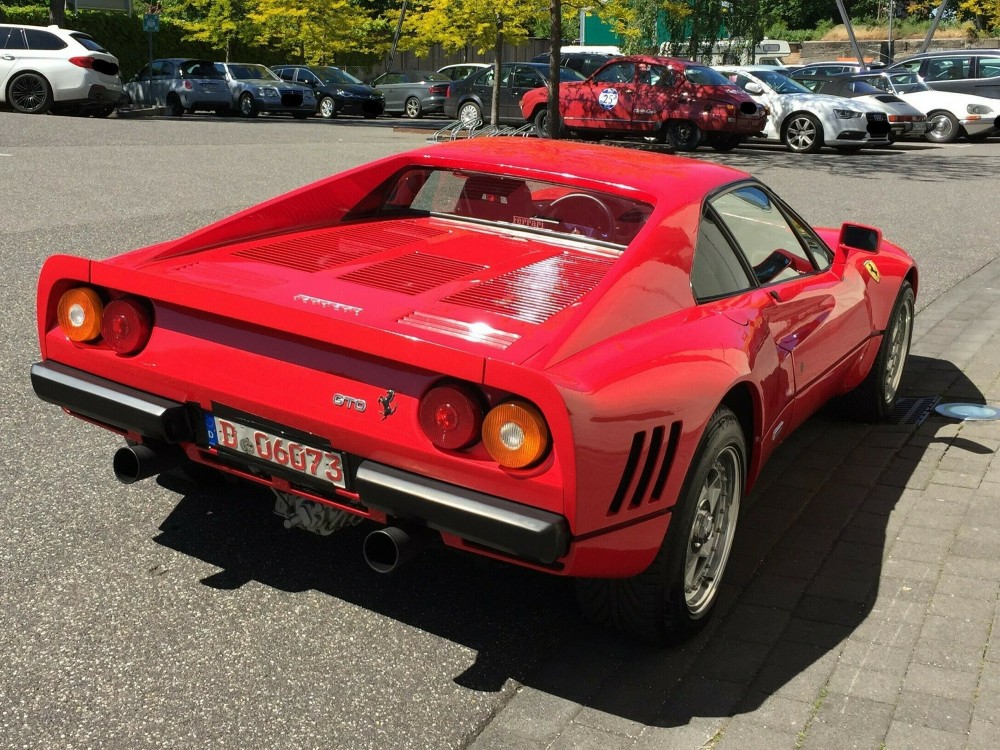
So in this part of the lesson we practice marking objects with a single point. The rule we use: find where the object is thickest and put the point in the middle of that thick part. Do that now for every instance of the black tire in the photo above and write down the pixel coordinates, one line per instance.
(656, 605)
(370, 115)
(802, 133)
(248, 107)
(174, 106)
(413, 109)
(103, 112)
(942, 127)
(541, 124)
(683, 135)
(327, 108)
(30, 94)
(874, 399)
(725, 143)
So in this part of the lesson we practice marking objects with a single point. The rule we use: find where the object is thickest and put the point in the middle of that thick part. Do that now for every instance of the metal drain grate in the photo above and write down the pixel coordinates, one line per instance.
(912, 410)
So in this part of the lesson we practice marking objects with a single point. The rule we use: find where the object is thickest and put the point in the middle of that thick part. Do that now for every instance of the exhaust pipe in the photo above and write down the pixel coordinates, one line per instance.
(135, 462)
(386, 549)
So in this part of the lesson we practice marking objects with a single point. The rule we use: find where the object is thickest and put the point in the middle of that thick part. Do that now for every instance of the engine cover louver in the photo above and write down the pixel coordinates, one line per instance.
(537, 291)
(412, 274)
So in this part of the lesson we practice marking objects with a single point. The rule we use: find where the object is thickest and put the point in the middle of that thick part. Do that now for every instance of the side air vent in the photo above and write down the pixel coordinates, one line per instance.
(650, 458)
(412, 274)
(538, 291)
(329, 248)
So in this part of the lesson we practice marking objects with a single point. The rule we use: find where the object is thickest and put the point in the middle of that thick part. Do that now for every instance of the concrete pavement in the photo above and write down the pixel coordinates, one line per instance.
(861, 604)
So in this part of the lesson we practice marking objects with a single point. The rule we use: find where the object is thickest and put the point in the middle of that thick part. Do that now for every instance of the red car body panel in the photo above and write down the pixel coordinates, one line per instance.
(276, 310)
(639, 107)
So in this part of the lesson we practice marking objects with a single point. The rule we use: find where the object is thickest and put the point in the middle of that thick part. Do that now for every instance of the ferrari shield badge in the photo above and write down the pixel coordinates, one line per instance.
(872, 270)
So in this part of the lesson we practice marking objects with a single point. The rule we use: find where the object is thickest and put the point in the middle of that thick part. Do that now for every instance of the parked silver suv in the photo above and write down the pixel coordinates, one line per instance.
(45, 68)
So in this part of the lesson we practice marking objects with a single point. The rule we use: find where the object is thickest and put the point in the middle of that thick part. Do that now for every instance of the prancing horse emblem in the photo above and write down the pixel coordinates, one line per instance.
(388, 408)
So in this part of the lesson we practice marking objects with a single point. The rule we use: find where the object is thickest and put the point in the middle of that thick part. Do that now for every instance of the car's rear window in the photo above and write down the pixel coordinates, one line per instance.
(199, 69)
(88, 42)
(530, 205)
(702, 76)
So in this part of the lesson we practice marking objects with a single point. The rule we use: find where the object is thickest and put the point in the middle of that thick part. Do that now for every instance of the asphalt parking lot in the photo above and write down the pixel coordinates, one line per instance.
(861, 609)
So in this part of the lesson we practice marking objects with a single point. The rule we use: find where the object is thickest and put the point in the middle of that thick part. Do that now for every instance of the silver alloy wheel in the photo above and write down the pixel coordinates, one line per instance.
(801, 133)
(327, 107)
(942, 128)
(712, 531)
(248, 107)
(469, 115)
(899, 347)
(30, 94)
(413, 108)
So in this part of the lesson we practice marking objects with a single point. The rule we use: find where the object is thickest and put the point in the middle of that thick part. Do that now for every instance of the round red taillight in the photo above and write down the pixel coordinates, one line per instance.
(451, 416)
(126, 325)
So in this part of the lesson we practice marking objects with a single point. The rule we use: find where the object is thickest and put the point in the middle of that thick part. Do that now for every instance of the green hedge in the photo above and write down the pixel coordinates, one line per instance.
(125, 39)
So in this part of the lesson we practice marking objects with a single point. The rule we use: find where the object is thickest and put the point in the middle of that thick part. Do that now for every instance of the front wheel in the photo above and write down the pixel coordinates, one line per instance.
(683, 135)
(248, 107)
(541, 123)
(327, 108)
(470, 115)
(413, 108)
(725, 143)
(803, 134)
(673, 598)
(874, 399)
(30, 94)
(942, 127)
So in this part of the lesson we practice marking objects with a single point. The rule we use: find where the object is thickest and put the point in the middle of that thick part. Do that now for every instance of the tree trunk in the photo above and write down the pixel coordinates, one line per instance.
(498, 58)
(555, 55)
(57, 12)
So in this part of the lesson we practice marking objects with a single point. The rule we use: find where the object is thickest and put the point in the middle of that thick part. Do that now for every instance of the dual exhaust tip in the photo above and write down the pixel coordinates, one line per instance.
(384, 549)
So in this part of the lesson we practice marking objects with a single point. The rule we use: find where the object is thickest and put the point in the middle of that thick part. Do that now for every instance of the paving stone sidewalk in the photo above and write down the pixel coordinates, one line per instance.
(861, 603)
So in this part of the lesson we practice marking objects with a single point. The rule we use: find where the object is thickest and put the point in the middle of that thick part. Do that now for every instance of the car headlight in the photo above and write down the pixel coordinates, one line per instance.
(979, 109)
(848, 114)
(267, 92)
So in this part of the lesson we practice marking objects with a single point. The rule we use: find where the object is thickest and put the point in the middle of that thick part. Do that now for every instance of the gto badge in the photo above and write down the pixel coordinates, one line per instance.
(349, 402)
(873, 270)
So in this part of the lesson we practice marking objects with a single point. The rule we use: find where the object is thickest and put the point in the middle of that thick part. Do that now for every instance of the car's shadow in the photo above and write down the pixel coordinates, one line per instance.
(806, 573)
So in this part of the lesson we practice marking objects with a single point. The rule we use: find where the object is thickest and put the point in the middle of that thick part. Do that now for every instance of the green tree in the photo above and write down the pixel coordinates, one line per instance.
(483, 23)
(314, 31)
(218, 23)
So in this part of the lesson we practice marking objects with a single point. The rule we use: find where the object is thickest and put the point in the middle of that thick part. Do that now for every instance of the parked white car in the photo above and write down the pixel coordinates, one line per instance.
(949, 113)
(46, 68)
(804, 121)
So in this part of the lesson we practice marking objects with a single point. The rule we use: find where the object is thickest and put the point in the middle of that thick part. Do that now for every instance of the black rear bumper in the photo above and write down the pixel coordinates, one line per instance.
(508, 527)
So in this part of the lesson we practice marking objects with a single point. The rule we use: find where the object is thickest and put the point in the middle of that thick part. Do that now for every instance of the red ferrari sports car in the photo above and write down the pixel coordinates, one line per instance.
(489, 344)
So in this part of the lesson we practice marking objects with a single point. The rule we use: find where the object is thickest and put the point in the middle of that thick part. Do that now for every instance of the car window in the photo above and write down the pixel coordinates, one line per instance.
(145, 72)
(716, 270)
(307, 77)
(286, 74)
(87, 42)
(619, 72)
(989, 67)
(12, 38)
(770, 244)
(38, 39)
(814, 85)
(333, 75)
(567, 74)
(160, 69)
(485, 78)
(948, 69)
(656, 75)
(527, 78)
(530, 205)
(703, 76)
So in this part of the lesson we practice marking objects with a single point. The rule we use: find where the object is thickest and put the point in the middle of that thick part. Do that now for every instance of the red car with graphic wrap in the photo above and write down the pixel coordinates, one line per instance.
(674, 101)
(489, 344)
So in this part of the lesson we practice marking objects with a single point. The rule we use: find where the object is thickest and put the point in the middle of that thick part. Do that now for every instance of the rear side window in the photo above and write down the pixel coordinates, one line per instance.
(989, 67)
(948, 68)
(88, 42)
(11, 39)
(38, 39)
(716, 270)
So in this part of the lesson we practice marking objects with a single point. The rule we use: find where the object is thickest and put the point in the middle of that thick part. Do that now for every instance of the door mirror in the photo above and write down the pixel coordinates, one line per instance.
(752, 87)
(858, 237)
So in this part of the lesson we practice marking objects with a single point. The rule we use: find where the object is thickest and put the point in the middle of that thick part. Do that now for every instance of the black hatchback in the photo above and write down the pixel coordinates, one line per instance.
(471, 98)
(337, 91)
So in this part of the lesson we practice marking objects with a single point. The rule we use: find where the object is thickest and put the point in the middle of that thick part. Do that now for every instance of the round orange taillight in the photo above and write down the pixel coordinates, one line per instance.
(126, 325)
(79, 314)
(451, 416)
(515, 434)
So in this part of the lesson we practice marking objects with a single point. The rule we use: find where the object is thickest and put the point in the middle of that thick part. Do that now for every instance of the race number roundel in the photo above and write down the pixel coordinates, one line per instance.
(608, 99)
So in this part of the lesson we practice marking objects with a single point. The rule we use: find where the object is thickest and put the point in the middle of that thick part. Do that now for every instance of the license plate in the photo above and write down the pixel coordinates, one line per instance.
(326, 466)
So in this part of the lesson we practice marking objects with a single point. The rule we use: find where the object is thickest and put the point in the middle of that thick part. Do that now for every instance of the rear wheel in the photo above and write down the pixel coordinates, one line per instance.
(103, 112)
(683, 135)
(470, 115)
(413, 108)
(942, 127)
(803, 134)
(674, 597)
(30, 93)
(541, 123)
(873, 400)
